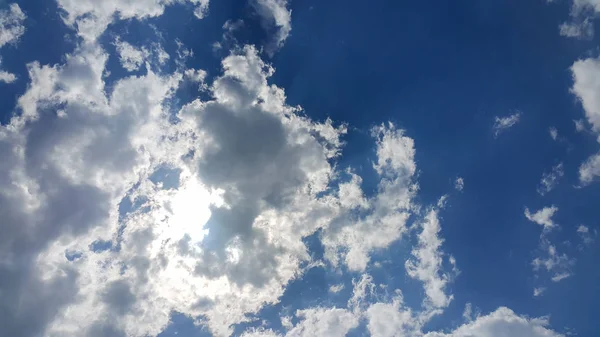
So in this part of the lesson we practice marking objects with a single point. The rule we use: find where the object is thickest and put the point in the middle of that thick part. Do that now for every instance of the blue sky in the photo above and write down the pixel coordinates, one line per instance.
(299, 168)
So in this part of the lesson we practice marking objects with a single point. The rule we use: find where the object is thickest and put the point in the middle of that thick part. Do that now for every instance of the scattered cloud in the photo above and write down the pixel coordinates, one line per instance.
(426, 263)
(336, 288)
(131, 57)
(587, 236)
(538, 291)
(11, 29)
(501, 124)
(502, 322)
(276, 19)
(553, 133)
(459, 184)
(543, 217)
(550, 179)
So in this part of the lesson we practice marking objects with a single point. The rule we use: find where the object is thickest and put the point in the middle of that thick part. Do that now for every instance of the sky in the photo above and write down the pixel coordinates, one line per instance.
(289, 168)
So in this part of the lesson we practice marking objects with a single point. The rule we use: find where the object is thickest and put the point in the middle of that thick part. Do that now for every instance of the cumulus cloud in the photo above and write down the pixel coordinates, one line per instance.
(11, 29)
(131, 57)
(543, 217)
(502, 124)
(502, 323)
(550, 179)
(276, 19)
(590, 169)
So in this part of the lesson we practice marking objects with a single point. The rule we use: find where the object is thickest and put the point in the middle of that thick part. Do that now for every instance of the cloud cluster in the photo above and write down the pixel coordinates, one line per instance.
(11, 29)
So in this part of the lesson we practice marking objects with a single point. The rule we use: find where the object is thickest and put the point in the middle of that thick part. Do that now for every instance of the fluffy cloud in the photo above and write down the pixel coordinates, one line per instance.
(586, 78)
(382, 221)
(11, 29)
(91, 17)
(543, 217)
(131, 57)
(502, 323)
(502, 124)
(275, 18)
(70, 157)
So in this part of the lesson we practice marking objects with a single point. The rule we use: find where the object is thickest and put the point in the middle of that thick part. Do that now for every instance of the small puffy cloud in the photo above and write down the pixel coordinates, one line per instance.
(195, 75)
(543, 217)
(550, 179)
(131, 57)
(590, 169)
(276, 19)
(502, 323)
(553, 133)
(459, 184)
(426, 263)
(502, 124)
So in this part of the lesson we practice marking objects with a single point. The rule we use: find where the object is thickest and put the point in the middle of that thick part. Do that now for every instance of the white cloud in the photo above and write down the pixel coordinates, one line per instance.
(543, 217)
(390, 319)
(586, 235)
(590, 169)
(196, 76)
(550, 179)
(332, 322)
(91, 17)
(352, 238)
(131, 57)
(11, 29)
(581, 30)
(553, 133)
(459, 184)
(274, 16)
(11, 24)
(336, 288)
(586, 77)
(426, 263)
(538, 291)
(502, 323)
(502, 124)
